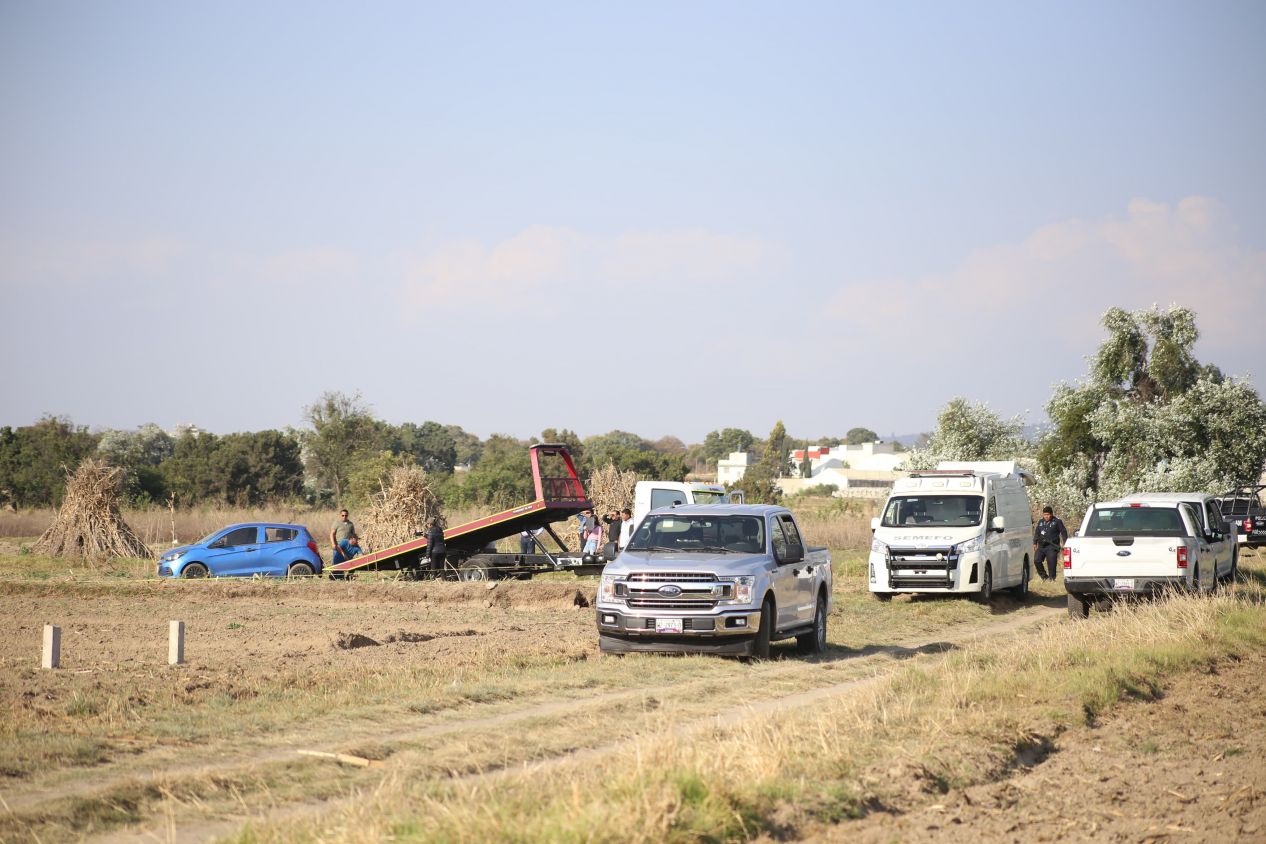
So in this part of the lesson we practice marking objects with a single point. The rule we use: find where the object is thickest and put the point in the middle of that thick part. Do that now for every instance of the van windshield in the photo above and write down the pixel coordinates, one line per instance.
(935, 510)
(716, 534)
(707, 496)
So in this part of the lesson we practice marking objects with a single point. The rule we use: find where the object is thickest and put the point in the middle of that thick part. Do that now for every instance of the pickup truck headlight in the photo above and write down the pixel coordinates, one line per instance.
(606, 588)
(879, 547)
(971, 545)
(743, 589)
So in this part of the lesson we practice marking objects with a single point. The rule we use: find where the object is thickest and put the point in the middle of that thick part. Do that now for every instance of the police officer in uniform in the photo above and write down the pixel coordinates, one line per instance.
(1049, 535)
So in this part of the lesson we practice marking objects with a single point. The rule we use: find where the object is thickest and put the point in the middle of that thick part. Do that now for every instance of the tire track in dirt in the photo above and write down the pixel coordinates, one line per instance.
(204, 830)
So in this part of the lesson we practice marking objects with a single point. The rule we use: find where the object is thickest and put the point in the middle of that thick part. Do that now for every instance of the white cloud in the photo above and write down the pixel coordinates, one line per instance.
(544, 261)
(1188, 253)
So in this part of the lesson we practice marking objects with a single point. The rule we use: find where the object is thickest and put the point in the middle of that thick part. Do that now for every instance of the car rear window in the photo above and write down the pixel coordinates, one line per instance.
(275, 534)
(1135, 521)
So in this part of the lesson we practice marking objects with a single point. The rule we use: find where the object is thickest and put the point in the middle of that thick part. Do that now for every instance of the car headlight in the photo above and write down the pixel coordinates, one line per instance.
(171, 558)
(971, 545)
(606, 588)
(879, 547)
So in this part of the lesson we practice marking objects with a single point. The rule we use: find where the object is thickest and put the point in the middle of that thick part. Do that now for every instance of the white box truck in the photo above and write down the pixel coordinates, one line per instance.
(964, 527)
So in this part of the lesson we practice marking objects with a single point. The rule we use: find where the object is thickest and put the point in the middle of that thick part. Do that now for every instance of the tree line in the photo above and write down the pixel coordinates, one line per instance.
(341, 456)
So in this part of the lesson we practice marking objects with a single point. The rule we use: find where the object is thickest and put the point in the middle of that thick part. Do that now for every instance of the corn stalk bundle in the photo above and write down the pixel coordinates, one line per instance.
(89, 524)
(610, 490)
(400, 510)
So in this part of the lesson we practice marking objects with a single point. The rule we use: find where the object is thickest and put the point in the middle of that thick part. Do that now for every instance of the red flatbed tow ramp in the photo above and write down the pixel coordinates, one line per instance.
(557, 498)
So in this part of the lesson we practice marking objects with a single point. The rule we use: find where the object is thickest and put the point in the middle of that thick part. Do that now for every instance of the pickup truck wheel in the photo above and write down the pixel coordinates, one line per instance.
(760, 645)
(1078, 607)
(299, 570)
(814, 642)
(194, 570)
(985, 595)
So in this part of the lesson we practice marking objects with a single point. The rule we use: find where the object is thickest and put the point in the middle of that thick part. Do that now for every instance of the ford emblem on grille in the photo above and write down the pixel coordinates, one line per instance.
(669, 591)
(1123, 553)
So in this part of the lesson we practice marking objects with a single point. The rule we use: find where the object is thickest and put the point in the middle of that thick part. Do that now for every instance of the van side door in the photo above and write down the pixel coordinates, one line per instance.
(996, 550)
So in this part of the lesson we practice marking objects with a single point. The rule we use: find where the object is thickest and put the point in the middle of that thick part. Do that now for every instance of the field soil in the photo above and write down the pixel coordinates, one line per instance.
(1190, 766)
(432, 684)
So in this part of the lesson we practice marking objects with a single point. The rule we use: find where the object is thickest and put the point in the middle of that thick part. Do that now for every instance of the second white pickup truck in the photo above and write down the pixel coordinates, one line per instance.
(1145, 544)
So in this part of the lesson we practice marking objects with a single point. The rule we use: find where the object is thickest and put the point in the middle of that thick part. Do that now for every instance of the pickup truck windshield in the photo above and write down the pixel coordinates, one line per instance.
(715, 534)
(942, 510)
(1135, 521)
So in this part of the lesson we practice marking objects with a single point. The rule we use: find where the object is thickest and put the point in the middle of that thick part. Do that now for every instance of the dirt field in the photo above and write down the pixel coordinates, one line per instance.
(447, 693)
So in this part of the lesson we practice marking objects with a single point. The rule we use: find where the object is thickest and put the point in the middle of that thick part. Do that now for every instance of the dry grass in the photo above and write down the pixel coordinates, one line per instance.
(926, 728)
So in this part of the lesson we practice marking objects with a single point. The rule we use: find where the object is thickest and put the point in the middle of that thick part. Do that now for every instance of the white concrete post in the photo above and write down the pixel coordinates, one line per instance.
(52, 646)
(176, 643)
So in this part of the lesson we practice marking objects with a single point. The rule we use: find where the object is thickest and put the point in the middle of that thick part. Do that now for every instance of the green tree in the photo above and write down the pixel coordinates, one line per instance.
(568, 438)
(719, 444)
(966, 431)
(188, 472)
(34, 460)
(429, 445)
(252, 468)
(1149, 417)
(139, 453)
(858, 436)
(777, 458)
(502, 477)
(469, 447)
(342, 433)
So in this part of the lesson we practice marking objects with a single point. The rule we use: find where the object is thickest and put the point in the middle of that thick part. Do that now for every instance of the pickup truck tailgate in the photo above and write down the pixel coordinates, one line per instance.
(1116, 556)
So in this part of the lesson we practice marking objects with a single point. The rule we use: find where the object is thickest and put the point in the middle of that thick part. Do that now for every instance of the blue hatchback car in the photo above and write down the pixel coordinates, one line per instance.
(273, 550)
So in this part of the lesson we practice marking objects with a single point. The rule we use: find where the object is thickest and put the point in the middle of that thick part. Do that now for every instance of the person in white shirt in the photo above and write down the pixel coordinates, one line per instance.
(626, 527)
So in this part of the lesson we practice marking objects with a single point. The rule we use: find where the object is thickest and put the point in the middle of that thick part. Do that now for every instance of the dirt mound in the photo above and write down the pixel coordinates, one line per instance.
(350, 641)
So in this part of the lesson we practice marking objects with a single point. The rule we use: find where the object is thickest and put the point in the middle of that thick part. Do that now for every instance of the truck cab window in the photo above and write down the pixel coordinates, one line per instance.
(665, 498)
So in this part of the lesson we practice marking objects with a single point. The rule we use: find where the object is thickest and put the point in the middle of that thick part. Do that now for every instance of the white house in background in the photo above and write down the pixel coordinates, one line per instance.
(732, 470)
(866, 457)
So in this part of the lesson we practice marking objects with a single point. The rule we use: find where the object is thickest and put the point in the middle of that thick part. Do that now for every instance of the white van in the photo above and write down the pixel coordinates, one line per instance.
(651, 495)
(963, 527)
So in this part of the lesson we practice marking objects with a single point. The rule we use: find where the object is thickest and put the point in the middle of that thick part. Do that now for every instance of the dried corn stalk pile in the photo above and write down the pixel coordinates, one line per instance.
(401, 510)
(89, 524)
(610, 490)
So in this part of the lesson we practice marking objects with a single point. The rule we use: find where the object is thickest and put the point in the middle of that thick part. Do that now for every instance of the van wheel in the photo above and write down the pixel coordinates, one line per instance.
(194, 570)
(1022, 591)
(985, 595)
(299, 570)
(814, 642)
(760, 645)
(1078, 607)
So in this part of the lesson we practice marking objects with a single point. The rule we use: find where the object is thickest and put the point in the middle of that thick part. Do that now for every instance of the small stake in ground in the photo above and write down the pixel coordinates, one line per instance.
(52, 646)
(176, 644)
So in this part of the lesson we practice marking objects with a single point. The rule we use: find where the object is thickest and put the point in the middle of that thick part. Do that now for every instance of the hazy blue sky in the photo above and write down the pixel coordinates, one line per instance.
(659, 217)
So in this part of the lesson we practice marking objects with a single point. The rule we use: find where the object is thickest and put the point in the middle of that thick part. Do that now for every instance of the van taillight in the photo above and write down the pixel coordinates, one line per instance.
(1067, 554)
(1182, 556)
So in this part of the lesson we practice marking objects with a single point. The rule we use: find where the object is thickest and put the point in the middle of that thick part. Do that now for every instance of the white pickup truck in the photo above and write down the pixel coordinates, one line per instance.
(1144, 544)
(715, 578)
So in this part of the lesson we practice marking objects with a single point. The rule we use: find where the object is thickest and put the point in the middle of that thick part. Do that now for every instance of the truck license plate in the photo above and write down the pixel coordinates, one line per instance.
(668, 625)
(1123, 584)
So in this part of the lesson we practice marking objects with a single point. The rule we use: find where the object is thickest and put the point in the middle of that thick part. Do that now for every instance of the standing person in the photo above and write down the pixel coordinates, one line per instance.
(586, 525)
(594, 538)
(612, 521)
(626, 527)
(435, 548)
(527, 540)
(1049, 535)
(342, 531)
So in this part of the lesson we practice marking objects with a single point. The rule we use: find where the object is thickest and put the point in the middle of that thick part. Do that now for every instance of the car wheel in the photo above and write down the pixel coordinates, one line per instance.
(1078, 607)
(882, 597)
(1022, 591)
(760, 645)
(194, 570)
(814, 642)
(300, 570)
(985, 595)
(473, 570)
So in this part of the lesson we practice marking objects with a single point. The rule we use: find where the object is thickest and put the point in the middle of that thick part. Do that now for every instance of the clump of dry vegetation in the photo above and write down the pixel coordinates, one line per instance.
(89, 524)
(402, 508)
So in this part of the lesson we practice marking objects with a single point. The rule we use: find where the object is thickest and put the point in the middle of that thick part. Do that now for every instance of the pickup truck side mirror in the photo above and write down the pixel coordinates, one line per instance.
(791, 554)
(874, 524)
(998, 524)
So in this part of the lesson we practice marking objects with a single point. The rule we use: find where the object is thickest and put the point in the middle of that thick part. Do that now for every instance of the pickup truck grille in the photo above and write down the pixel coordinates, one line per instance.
(673, 590)
(671, 576)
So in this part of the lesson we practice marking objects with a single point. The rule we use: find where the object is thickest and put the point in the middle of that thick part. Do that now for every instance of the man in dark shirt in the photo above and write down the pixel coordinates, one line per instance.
(435, 548)
(1049, 535)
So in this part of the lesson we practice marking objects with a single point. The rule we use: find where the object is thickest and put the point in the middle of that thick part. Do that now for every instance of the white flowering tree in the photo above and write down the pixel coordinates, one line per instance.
(970, 431)
(1149, 417)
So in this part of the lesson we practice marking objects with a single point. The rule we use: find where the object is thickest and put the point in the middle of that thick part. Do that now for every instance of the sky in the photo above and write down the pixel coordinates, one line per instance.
(664, 218)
